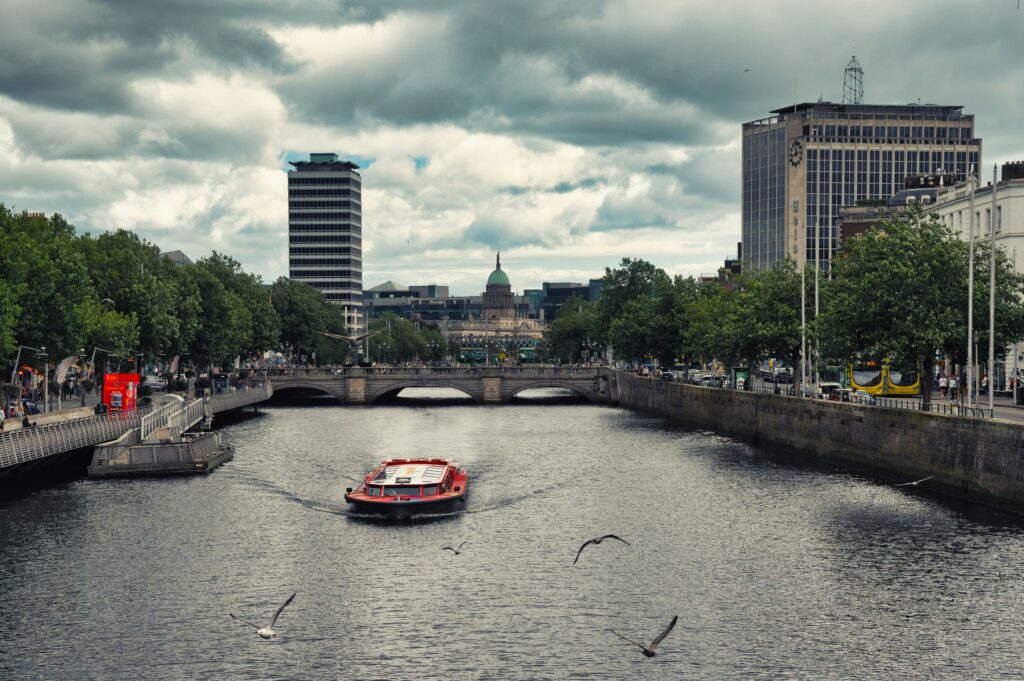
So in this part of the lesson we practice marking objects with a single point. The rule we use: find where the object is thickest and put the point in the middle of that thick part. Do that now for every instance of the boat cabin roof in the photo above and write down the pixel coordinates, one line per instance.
(410, 474)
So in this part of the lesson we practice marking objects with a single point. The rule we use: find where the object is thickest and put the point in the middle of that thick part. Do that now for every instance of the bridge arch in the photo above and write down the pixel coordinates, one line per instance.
(548, 383)
(289, 383)
(399, 386)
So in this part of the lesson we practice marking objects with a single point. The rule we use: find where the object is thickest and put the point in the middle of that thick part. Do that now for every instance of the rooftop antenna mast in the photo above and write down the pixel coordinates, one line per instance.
(853, 83)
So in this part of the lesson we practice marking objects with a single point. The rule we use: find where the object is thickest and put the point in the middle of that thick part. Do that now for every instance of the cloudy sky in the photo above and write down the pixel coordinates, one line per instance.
(566, 134)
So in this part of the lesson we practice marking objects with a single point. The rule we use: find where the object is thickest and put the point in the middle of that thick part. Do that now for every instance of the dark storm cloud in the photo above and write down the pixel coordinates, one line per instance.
(84, 56)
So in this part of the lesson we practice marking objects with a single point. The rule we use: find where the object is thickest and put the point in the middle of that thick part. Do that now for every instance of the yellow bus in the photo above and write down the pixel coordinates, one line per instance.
(883, 377)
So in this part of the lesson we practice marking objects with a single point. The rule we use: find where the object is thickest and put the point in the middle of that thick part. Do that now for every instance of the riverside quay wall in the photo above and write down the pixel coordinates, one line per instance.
(977, 459)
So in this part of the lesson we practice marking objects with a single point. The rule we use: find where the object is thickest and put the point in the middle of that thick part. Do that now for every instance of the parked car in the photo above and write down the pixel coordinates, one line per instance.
(28, 407)
(863, 397)
(784, 375)
(830, 391)
(155, 382)
(667, 376)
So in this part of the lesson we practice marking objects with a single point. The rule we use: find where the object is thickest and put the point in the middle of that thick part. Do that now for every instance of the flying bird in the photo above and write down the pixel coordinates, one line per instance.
(597, 541)
(649, 650)
(915, 483)
(267, 631)
(457, 551)
(746, 70)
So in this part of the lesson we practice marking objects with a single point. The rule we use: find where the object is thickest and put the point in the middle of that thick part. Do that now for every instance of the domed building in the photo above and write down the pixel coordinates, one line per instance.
(498, 300)
(498, 329)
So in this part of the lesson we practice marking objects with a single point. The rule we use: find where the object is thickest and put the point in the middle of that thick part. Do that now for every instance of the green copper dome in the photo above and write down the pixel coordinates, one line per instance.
(497, 276)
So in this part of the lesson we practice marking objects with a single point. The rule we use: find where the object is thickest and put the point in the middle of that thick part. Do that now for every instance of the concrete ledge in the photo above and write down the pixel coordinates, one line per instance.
(976, 459)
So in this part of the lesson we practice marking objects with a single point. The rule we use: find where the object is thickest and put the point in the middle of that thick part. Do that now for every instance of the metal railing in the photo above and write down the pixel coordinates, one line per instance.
(157, 419)
(38, 442)
(240, 398)
(199, 448)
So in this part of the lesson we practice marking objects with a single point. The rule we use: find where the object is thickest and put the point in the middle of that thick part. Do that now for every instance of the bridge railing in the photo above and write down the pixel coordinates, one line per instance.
(323, 372)
(38, 442)
(241, 398)
(158, 418)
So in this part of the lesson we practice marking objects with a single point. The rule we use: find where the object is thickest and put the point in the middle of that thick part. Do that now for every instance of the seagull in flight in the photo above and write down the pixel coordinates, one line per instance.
(649, 650)
(458, 551)
(746, 70)
(267, 631)
(915, 483)
(596, 541)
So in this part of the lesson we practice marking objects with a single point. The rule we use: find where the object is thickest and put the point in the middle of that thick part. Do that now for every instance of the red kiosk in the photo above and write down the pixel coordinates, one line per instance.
(120, 391)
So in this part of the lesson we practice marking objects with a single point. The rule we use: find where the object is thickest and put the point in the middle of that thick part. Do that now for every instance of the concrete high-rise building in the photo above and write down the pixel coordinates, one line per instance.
(325, 231)
(806, 161)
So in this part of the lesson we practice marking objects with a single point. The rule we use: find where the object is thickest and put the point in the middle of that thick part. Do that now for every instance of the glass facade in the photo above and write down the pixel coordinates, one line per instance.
(848, 155)
(764, 195)
(319, 221)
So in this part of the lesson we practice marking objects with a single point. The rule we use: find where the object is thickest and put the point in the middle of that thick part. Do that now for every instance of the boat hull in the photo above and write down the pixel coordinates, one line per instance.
(399, 509)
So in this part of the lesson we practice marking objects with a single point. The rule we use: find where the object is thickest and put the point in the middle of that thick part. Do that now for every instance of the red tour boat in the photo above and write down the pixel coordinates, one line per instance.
(402, 487)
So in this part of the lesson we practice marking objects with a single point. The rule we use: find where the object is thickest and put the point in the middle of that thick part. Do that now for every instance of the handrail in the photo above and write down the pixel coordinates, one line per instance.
(38, 442)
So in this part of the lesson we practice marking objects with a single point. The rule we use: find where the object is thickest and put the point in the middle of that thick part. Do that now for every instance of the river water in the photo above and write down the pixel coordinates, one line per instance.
(776, 568)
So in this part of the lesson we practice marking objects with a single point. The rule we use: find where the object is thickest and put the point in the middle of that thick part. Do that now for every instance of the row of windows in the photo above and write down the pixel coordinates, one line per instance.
(325, 262)
(350, 297)
(338, 203)
(302, 274)
(334, 215)
(325, 227)
(322, 285)
(325, 250)
(347, 181)
(331, 239)
(982, 228)
(324, 192)
(890, 132)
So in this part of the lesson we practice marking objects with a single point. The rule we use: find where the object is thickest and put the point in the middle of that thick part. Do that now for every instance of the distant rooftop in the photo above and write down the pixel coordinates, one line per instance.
(324, 161)
(912, 108)
(177, 257)
(388, 286)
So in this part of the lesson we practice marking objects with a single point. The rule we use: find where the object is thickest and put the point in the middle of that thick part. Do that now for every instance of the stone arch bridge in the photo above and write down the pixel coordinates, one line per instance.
(486, 385)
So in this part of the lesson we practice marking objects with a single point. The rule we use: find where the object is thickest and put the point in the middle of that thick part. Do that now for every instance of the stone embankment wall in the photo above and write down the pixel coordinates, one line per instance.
(977, 459)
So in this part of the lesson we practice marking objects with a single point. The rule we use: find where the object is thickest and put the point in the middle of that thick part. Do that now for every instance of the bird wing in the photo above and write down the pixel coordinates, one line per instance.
(364, 336)
(639, 645)
(462, 544)
(915, 482)
(585, 544)
(448, 548)
(277, 614)
(234, 616)
(612, 536)
(662, 635)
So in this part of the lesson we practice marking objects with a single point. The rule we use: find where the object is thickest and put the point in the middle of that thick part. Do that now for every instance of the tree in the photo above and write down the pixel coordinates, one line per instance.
(634, 279)
(263, 329)
(396, 339)
(130, 273)
(570, 330)
(900, 292)
(304, 316)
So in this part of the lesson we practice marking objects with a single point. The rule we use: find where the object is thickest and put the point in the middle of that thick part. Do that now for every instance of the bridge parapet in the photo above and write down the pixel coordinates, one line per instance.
(364, 385)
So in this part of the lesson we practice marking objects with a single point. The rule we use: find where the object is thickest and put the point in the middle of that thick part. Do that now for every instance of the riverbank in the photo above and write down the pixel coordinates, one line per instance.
(973, 459)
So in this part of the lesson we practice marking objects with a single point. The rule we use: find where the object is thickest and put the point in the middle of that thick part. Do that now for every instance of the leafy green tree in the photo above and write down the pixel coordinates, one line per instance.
(633, 279)
(569, 331)
(396, 339)
(304, 317)
(900, 292)
(262, 330)
(130, 273)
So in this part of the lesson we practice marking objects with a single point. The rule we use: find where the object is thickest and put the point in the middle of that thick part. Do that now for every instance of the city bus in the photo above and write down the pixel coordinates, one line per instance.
(884, 377)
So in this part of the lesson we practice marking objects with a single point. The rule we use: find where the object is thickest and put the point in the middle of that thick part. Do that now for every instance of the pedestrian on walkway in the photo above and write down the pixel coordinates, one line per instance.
(943, 382)
(952, 388)
(2, 420)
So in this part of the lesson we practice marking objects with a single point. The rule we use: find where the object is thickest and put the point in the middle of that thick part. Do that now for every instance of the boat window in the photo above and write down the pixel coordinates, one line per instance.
(401, 490)
(373, 491)
(430, 490)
